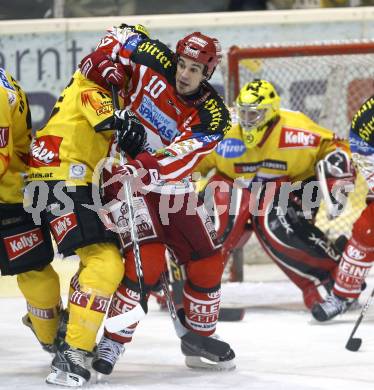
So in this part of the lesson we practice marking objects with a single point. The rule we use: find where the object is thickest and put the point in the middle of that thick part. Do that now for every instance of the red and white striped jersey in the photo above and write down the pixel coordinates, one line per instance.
(180, 130)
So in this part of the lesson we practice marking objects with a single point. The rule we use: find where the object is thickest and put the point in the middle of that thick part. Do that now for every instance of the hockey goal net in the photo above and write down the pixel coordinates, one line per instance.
(328, 82)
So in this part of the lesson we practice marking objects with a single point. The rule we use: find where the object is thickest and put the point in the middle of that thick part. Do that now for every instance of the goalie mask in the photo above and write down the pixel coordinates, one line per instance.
(258, 104)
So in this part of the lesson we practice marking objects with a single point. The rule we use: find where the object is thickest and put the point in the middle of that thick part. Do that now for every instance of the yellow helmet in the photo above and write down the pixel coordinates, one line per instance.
(258, 104)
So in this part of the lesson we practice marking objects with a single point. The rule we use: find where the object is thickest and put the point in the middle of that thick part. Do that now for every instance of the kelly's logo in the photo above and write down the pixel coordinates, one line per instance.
(22, 243)
(297, 138)
(61, 226)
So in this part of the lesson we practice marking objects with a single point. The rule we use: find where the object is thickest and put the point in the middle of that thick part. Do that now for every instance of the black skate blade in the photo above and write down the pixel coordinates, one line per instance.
(231, 314)
(353, 344)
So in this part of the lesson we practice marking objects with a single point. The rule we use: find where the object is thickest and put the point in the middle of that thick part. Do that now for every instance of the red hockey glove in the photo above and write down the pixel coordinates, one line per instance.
(102, 70)
(140, 172)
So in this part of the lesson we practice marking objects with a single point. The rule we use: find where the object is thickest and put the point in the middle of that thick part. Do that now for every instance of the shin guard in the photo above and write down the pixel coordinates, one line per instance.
(86, 313)
(124, 299)
(42, 292)
(357, 258)
(353, 269)
(201, 309)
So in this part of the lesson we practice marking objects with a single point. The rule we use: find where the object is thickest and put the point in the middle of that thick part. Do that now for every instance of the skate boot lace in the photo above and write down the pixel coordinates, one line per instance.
(76, 357)
(109, 350)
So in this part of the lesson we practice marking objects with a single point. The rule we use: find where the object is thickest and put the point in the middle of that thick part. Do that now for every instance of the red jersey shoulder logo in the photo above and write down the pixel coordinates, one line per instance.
(45, 151)
(298, 138)
(4, 136)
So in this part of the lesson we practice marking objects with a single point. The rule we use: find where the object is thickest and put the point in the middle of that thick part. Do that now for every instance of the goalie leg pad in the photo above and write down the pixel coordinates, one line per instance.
(300, 249)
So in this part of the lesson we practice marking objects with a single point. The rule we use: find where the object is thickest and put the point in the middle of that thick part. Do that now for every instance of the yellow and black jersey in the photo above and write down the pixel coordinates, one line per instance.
(70, 145)
(15, 136)
(291, 147)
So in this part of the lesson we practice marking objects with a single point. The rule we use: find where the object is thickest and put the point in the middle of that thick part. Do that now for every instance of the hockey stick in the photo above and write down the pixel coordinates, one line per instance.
(354, 343)
(121, 321)
(195, 345)
(180, 330)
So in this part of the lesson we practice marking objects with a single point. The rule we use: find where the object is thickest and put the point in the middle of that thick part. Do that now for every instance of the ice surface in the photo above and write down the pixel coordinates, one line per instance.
(278, 346)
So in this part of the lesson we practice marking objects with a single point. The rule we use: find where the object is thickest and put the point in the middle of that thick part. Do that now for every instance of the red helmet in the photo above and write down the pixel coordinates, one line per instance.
(201, 48)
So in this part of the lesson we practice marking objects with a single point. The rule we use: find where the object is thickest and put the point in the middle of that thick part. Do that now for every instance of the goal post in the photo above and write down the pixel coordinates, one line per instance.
(328, 81)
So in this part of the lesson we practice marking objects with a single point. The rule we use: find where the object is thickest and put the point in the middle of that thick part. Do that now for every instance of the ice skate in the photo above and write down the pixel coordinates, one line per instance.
(107, 354)
(69, 367)
(330, 308)
(217, 357)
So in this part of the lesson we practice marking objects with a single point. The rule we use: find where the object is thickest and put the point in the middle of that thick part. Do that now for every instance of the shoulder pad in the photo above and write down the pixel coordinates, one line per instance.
(363, 122)
(214, 115)
(155, 55)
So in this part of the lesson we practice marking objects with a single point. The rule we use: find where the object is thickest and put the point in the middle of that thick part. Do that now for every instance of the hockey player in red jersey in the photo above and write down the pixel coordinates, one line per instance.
(267, 150)
(184, 119)
(358, 255)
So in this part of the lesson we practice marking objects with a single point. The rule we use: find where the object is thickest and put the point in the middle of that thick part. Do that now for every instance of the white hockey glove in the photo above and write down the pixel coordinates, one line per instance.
(336, 177)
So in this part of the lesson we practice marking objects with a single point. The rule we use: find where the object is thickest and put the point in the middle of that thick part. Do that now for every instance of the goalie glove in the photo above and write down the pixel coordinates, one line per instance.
(336, 177)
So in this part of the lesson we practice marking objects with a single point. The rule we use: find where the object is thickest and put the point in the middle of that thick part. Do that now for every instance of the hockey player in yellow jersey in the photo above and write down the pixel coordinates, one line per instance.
(25, 249)
(270, 144)
(63, 157)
